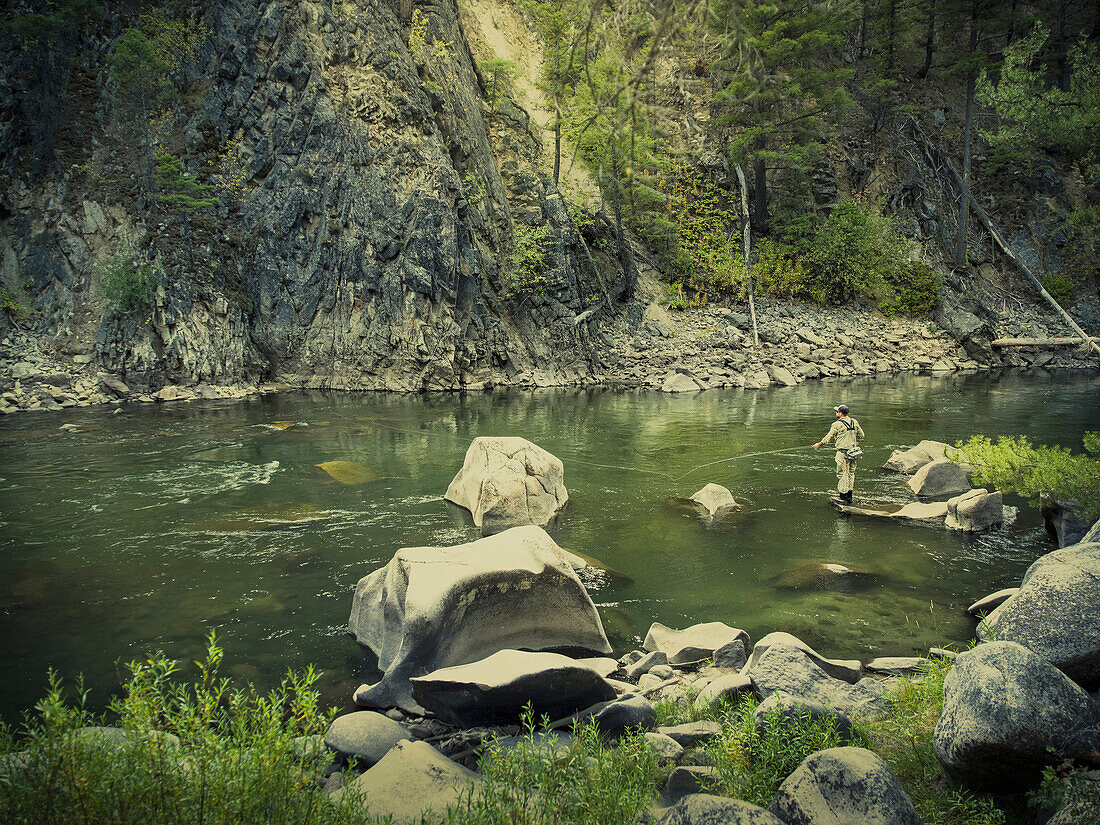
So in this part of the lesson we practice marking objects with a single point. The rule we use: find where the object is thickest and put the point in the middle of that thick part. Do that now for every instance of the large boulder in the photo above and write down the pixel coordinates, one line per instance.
(978, 510)
(692, 644)
(723, 690)
(939, 479)
(628, 711)
(366, 735)
(496, 689)
(790, 714)
(1064, 520)
(843, 786)
(911, 460)
(680, 382)
(1093, 534)
(508, 482)
(434, 607)
(707, 809)
(1006, 714)
(411, 780)
(1056, 614)
(849, 670)
(790, 670)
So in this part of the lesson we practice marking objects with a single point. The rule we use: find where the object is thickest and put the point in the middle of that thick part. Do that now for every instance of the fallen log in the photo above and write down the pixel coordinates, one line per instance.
(1043, 342)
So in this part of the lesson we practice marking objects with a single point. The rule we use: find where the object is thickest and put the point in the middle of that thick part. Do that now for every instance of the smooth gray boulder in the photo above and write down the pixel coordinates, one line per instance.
(666, 748)
(849, 670)
(714, 499)
(1056, 614)
(1064, 520)
(942, 479)
(911, 460)
(897, 665)
(641, 667)
(434, 607)
(732, 655)
(988, 604)
(689, 733)
(496, 689)
(508, 482)
(791, 713)
(1007, 713)
(410, 780)
(790, 670)
(978, 510)
(680, 382)
(366, 735)
(628, 711)
(686, 780)
(723, 689)
(843, 786)
(706, 809)
(693, 644)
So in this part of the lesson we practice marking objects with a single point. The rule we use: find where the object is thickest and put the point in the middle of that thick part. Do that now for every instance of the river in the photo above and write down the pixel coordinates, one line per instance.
(142, 530)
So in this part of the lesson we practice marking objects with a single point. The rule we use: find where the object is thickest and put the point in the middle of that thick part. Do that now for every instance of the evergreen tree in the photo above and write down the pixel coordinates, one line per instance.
(140, 88)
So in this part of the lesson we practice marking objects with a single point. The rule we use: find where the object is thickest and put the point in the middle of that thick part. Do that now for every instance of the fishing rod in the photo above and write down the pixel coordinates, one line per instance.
(735, 458)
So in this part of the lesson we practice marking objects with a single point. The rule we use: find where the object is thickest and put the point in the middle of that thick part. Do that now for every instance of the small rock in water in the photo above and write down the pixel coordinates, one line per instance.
(348, 472)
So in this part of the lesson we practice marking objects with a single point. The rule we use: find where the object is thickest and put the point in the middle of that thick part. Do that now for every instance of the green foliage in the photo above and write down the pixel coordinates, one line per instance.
(904, 741)
(418, 34)
(856, 252)
(522, 268)
(127, 285)
(502, 76)
(138, 72)
(778, 270)
(589, 783)
(1072, 788)
(751, 764)
(473, 189)
(915, 290)
(234, 759)
(1040, 474)
(1059, 286)
(176, 187)
(15, 304)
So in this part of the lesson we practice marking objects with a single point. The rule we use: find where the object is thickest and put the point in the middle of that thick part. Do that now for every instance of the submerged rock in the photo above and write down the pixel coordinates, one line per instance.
(434, 607)
(824, 576)
(508, 482)
(348, 472)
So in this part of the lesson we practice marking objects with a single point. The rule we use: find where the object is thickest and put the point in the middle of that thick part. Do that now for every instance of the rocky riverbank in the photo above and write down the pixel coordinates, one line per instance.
(672, 350)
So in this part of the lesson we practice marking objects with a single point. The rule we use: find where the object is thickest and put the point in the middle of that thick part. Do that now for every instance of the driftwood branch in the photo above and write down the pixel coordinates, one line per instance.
(1042, 342)
(748, 245)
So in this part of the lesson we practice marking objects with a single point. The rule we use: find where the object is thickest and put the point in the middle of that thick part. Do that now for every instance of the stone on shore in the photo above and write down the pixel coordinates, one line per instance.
(707, 809)
(714, 499)
(942, 479)
(666, 748)
(790, 670)
(693, 644)
(791, 713)
(988, 604)
(689, 733)
(508, 482)
(1064, 520)
(366, 735)
(897, 665)
(911, 460)
(626, 712)
(409, 780)
(977, 510)
(496, 689)
(843, 786)
(1055, 614)
(434, 607)
(679, 382)
(848, 670)
(1007, 713)
(723, 689)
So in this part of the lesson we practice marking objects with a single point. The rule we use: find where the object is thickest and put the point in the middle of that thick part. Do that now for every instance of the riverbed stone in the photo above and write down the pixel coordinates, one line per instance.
(976, 510)
(848, 670)
(666, 748)
(1055, 613)
(942, 479)
(988, 604)
(714, 499)
(628, 711)
(434, 607)
(791, 713)
(680, 382)
(724, 689)
(911, 460)
(411, 779)
(731, 655)
(364, 734)
(684, 781)
(693, 644)
(508, 482)
(690, 733)
(843, 786)
(790, 670)
(897, 665)
(1006, 714)
(496, 689)
(781, 376)
(707, 809)
(643, 665)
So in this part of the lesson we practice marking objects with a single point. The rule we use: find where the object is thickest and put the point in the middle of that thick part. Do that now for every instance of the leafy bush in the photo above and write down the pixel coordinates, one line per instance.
(915, 291)
(1040, 474)
(752, 764)
(15, 305)
(127, 285)
(1059, 286)
(779, 271)
(522, 268)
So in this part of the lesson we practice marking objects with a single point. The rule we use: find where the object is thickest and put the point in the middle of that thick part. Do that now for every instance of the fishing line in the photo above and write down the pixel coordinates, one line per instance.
(735, 458)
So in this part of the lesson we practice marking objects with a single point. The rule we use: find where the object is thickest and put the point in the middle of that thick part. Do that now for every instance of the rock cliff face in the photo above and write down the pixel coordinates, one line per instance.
(381, 196)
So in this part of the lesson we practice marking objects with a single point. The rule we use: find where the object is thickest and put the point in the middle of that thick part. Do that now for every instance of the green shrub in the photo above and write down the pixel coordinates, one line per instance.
(590, 783)
(914, 290)
(127, 285)
(1059, 286)
(15, 305)
(752, 764)
(779, 271)
(522, 268)
(1040, 474)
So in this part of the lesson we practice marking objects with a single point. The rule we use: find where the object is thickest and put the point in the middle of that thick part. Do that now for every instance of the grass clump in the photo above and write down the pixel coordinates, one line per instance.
(540, 783)
(752, 763)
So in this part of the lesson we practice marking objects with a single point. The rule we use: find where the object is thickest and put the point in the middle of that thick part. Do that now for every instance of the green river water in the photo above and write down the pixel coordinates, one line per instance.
(143, 530)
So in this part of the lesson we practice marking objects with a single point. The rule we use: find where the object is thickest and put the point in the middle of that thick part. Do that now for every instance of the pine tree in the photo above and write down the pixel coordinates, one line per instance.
(140, 88)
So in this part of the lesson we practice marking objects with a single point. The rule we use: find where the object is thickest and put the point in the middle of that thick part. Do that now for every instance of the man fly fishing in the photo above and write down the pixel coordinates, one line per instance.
(847, 434)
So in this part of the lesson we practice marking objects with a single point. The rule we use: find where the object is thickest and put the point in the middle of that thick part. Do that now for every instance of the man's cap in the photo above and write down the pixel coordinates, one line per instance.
(843, 408)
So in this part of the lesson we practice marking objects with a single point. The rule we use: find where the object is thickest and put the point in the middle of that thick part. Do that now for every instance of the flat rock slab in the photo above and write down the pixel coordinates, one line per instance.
(508, 482)
(843, 786)
(991, 602)
(365, 735)
(706, 809)
(693, 644)
(915, 511)
(897, 665)
(911, 460)
(848, 670)
(495, 690)
(435, 607)
(411, 779)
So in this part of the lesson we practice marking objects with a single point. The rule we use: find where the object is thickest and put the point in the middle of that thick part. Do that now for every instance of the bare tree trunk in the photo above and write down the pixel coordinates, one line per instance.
(1063, 49)
(929, 40)
(557, 143)
(964, 200)
(891, 34)
(625, 258)
(747, 243)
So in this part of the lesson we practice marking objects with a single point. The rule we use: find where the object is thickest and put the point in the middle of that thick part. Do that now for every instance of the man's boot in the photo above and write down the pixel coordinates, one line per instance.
(846, 497)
